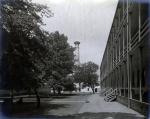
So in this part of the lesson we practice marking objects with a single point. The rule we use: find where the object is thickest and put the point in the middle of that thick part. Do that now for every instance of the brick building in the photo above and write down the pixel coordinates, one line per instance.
(126, 58)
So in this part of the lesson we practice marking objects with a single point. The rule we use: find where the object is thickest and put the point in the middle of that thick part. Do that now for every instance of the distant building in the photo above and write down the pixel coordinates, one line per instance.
(89, 89)
(126, 58)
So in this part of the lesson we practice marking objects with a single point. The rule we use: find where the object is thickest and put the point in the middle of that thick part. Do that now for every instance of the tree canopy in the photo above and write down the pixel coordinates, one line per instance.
(62, 60)
(23, 43)
(31, 56)
(86, 74)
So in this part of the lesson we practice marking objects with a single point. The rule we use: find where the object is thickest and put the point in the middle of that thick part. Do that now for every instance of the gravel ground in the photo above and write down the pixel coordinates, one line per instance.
(80, 106)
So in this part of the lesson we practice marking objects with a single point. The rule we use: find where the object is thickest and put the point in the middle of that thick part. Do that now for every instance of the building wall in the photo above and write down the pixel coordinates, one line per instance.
(125, 60)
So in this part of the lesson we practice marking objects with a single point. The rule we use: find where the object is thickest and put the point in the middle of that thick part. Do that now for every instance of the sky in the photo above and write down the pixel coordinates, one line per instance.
(86, 21)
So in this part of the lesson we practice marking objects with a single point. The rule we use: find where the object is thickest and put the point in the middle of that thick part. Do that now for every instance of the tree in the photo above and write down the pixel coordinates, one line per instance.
(25, 49)
(87, 75)
(32, 56)
(90, 75)
(62, 60)
(78, 75)
(68, 83)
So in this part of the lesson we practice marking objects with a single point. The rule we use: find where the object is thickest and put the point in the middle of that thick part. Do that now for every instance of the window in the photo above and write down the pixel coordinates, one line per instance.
(144, 9)
(134, 18)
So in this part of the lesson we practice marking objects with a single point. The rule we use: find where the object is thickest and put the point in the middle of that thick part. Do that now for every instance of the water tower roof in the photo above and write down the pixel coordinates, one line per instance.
(76, 42)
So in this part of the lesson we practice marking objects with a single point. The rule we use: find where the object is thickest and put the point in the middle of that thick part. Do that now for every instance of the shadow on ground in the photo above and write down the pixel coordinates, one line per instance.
(29, 108)
(57, 96)
(81, 116)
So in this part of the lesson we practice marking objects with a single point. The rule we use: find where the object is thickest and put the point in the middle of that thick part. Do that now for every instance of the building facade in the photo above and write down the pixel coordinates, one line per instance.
(126, 58)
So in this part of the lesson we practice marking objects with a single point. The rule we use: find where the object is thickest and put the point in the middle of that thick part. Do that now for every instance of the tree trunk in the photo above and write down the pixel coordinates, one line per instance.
(20, 101)
(37, 98)
(54, 91)
(79, 87)
(93, 89)
(12, 95)
(59, 89)
(7, 104)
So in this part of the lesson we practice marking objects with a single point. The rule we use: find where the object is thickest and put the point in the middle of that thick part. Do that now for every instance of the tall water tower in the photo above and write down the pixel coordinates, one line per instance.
(77, 62)
(77, 53)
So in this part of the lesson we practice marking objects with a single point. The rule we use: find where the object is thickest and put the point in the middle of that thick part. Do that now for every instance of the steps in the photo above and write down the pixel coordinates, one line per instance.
(110, 94)
(110, 98)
